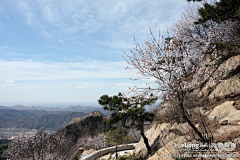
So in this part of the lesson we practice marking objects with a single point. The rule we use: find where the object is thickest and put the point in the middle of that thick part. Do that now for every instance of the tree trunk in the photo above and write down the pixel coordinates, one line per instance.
(188, 120)
(116, 153)
(124, 121)
(146, 142)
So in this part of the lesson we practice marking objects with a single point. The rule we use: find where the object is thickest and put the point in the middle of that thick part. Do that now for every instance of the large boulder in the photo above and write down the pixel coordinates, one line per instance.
(169, 151)
(227, 129)
(158, 134)
(161, 134)
(225, 113)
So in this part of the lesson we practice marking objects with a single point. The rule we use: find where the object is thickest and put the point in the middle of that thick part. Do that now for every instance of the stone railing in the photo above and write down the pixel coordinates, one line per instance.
(102, 152)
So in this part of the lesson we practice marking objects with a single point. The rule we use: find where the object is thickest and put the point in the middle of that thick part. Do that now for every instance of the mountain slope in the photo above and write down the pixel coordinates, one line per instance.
(33, 119)
(48, 122)
(86, 109)
(91, 124)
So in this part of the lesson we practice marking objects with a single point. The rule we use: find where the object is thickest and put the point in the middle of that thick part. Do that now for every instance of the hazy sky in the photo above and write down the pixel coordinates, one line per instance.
(70, 51)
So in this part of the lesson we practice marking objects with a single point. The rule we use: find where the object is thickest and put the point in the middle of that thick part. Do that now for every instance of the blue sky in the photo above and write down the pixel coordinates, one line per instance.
(57, 52)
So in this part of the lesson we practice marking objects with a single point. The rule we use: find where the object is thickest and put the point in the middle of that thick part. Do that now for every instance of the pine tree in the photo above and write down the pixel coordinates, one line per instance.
(221, 11)
(132, 107)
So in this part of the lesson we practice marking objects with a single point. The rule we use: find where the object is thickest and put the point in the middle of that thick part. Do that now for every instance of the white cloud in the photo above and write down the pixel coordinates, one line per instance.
(75, 30)
(115, 22)
(10, 81)
(34, 70)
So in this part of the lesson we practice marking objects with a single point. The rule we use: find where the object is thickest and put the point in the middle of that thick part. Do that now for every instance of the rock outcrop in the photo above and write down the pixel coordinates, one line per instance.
(169, 151)
(165, 137)
(224, 83)
(77, 154)
(78, 119)
(227, 129)
(230, 72)
(160, 135)
(227, 87)
(225, 113)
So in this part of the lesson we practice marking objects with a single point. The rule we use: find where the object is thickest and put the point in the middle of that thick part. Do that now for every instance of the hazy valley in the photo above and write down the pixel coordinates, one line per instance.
(19, 120)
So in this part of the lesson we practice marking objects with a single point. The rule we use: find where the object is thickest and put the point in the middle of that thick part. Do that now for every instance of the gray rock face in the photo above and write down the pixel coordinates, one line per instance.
(222, 111)
(227, 129)
(169, 151)
(228, 66)
(230, 86)
(164, 136)
(225, 113)
(224, 70)
(161, 134)
(158, 134)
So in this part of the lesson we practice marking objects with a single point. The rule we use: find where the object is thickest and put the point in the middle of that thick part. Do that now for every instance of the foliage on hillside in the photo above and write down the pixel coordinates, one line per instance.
(91, 125)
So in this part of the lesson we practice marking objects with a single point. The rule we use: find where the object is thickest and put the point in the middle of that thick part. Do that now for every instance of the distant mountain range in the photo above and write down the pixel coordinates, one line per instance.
(85, 109)
(42, 118)
(33, 119)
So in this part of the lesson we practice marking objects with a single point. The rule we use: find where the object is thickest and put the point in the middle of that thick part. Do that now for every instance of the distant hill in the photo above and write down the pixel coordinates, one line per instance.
(42, 118)
(35, 119)
(91, 124)
(86, 109)
(78, 119)
(49, 122)
(30, 113)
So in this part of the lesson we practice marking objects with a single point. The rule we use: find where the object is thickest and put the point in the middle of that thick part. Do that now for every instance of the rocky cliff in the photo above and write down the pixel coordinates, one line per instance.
(219, 107)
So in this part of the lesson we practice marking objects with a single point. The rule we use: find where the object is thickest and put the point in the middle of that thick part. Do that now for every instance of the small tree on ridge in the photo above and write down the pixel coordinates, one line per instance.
(132, 107)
